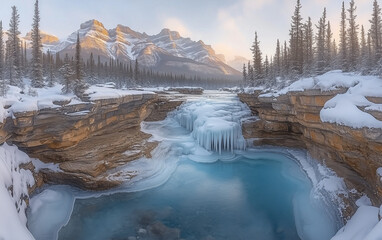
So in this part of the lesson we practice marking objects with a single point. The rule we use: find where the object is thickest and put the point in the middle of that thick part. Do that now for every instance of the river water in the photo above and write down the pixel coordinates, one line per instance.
(203, 182)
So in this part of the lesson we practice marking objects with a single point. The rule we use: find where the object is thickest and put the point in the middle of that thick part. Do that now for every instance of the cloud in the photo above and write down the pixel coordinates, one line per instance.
(177, 25)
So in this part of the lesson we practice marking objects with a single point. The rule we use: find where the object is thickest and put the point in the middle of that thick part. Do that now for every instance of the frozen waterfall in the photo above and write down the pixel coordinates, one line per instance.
(215, 124)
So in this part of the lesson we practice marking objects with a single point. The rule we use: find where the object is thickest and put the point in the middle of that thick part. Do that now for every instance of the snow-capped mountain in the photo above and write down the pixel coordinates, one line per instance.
(166, 51)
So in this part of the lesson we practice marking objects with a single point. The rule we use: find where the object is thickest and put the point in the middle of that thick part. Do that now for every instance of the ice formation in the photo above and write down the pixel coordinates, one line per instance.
(215, 124)
(14, 182)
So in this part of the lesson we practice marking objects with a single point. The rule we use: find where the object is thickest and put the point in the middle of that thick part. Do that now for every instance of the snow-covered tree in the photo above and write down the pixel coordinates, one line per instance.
(363, 56)
(266, 67)
(277, 59)
(352, 37)
(257, 59)
(36, 64)
(3, 85)
(67, 73)
(79, 84)
(13, 50)
(320, 44)
(308, 50)
(328, 46)
(91, 70)
(376, 31)
(250, 78)
(285, 57)
(370, 56)
(343, 52)
(51, 75)
(244, 73)
(296, 40)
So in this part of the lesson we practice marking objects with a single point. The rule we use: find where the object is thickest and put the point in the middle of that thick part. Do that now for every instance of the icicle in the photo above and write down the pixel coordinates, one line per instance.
(213, 125)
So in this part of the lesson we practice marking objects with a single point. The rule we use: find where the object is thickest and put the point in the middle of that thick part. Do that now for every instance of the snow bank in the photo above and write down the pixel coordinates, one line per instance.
(350, 109)
(14, 183)
(329, 81)
(365, 224)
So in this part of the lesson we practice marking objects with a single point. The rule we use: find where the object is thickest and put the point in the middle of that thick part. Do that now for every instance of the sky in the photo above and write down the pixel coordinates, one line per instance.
(227, 25)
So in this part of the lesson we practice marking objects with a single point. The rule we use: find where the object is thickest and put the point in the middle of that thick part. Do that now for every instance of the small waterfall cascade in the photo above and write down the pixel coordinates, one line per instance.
(215, 125)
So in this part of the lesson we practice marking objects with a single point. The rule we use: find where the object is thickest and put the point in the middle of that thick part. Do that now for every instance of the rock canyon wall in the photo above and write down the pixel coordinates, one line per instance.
(293, 120)
(86, 140)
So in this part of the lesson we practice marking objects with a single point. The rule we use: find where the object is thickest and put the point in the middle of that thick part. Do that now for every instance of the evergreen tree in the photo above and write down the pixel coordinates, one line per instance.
(131, 71)
(320, 44)
(250, 73)
(343, 41)
(244, 73)
(257, 59)
(36, 65)
(285, 60)
(3, 85)
(352, 38)
(277, 61)
(13, 50)
(67, 73)
(376, 31)
(136, 71)
(51, 75)
(266, 67)
(79, 84)
(364, 56)
(92, 74)
(296, 40)
(328, 46)
(370, 57)
(308, 47)
(99, 67)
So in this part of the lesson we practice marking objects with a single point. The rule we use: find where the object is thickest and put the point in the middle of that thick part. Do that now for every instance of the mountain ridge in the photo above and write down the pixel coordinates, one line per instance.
(166, 51)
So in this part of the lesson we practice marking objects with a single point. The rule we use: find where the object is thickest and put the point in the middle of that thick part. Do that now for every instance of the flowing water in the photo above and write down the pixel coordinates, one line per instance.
(202, 183)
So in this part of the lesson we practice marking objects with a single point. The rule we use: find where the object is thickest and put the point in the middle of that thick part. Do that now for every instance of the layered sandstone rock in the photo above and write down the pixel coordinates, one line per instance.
(88, 139)
(293, 120)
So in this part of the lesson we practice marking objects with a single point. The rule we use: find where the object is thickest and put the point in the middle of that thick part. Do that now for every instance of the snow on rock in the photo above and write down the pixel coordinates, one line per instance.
(34, 99)
(364, 225)
(329, 81)
(14, 183)
(350, 108)
(347, 109)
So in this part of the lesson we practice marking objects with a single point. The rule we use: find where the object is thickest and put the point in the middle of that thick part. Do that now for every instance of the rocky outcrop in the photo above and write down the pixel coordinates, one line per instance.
(88, 139)
(293, 120)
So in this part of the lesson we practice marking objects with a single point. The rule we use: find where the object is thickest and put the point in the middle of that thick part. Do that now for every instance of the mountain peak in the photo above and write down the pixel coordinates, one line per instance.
(91, 23)
(172, 34)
